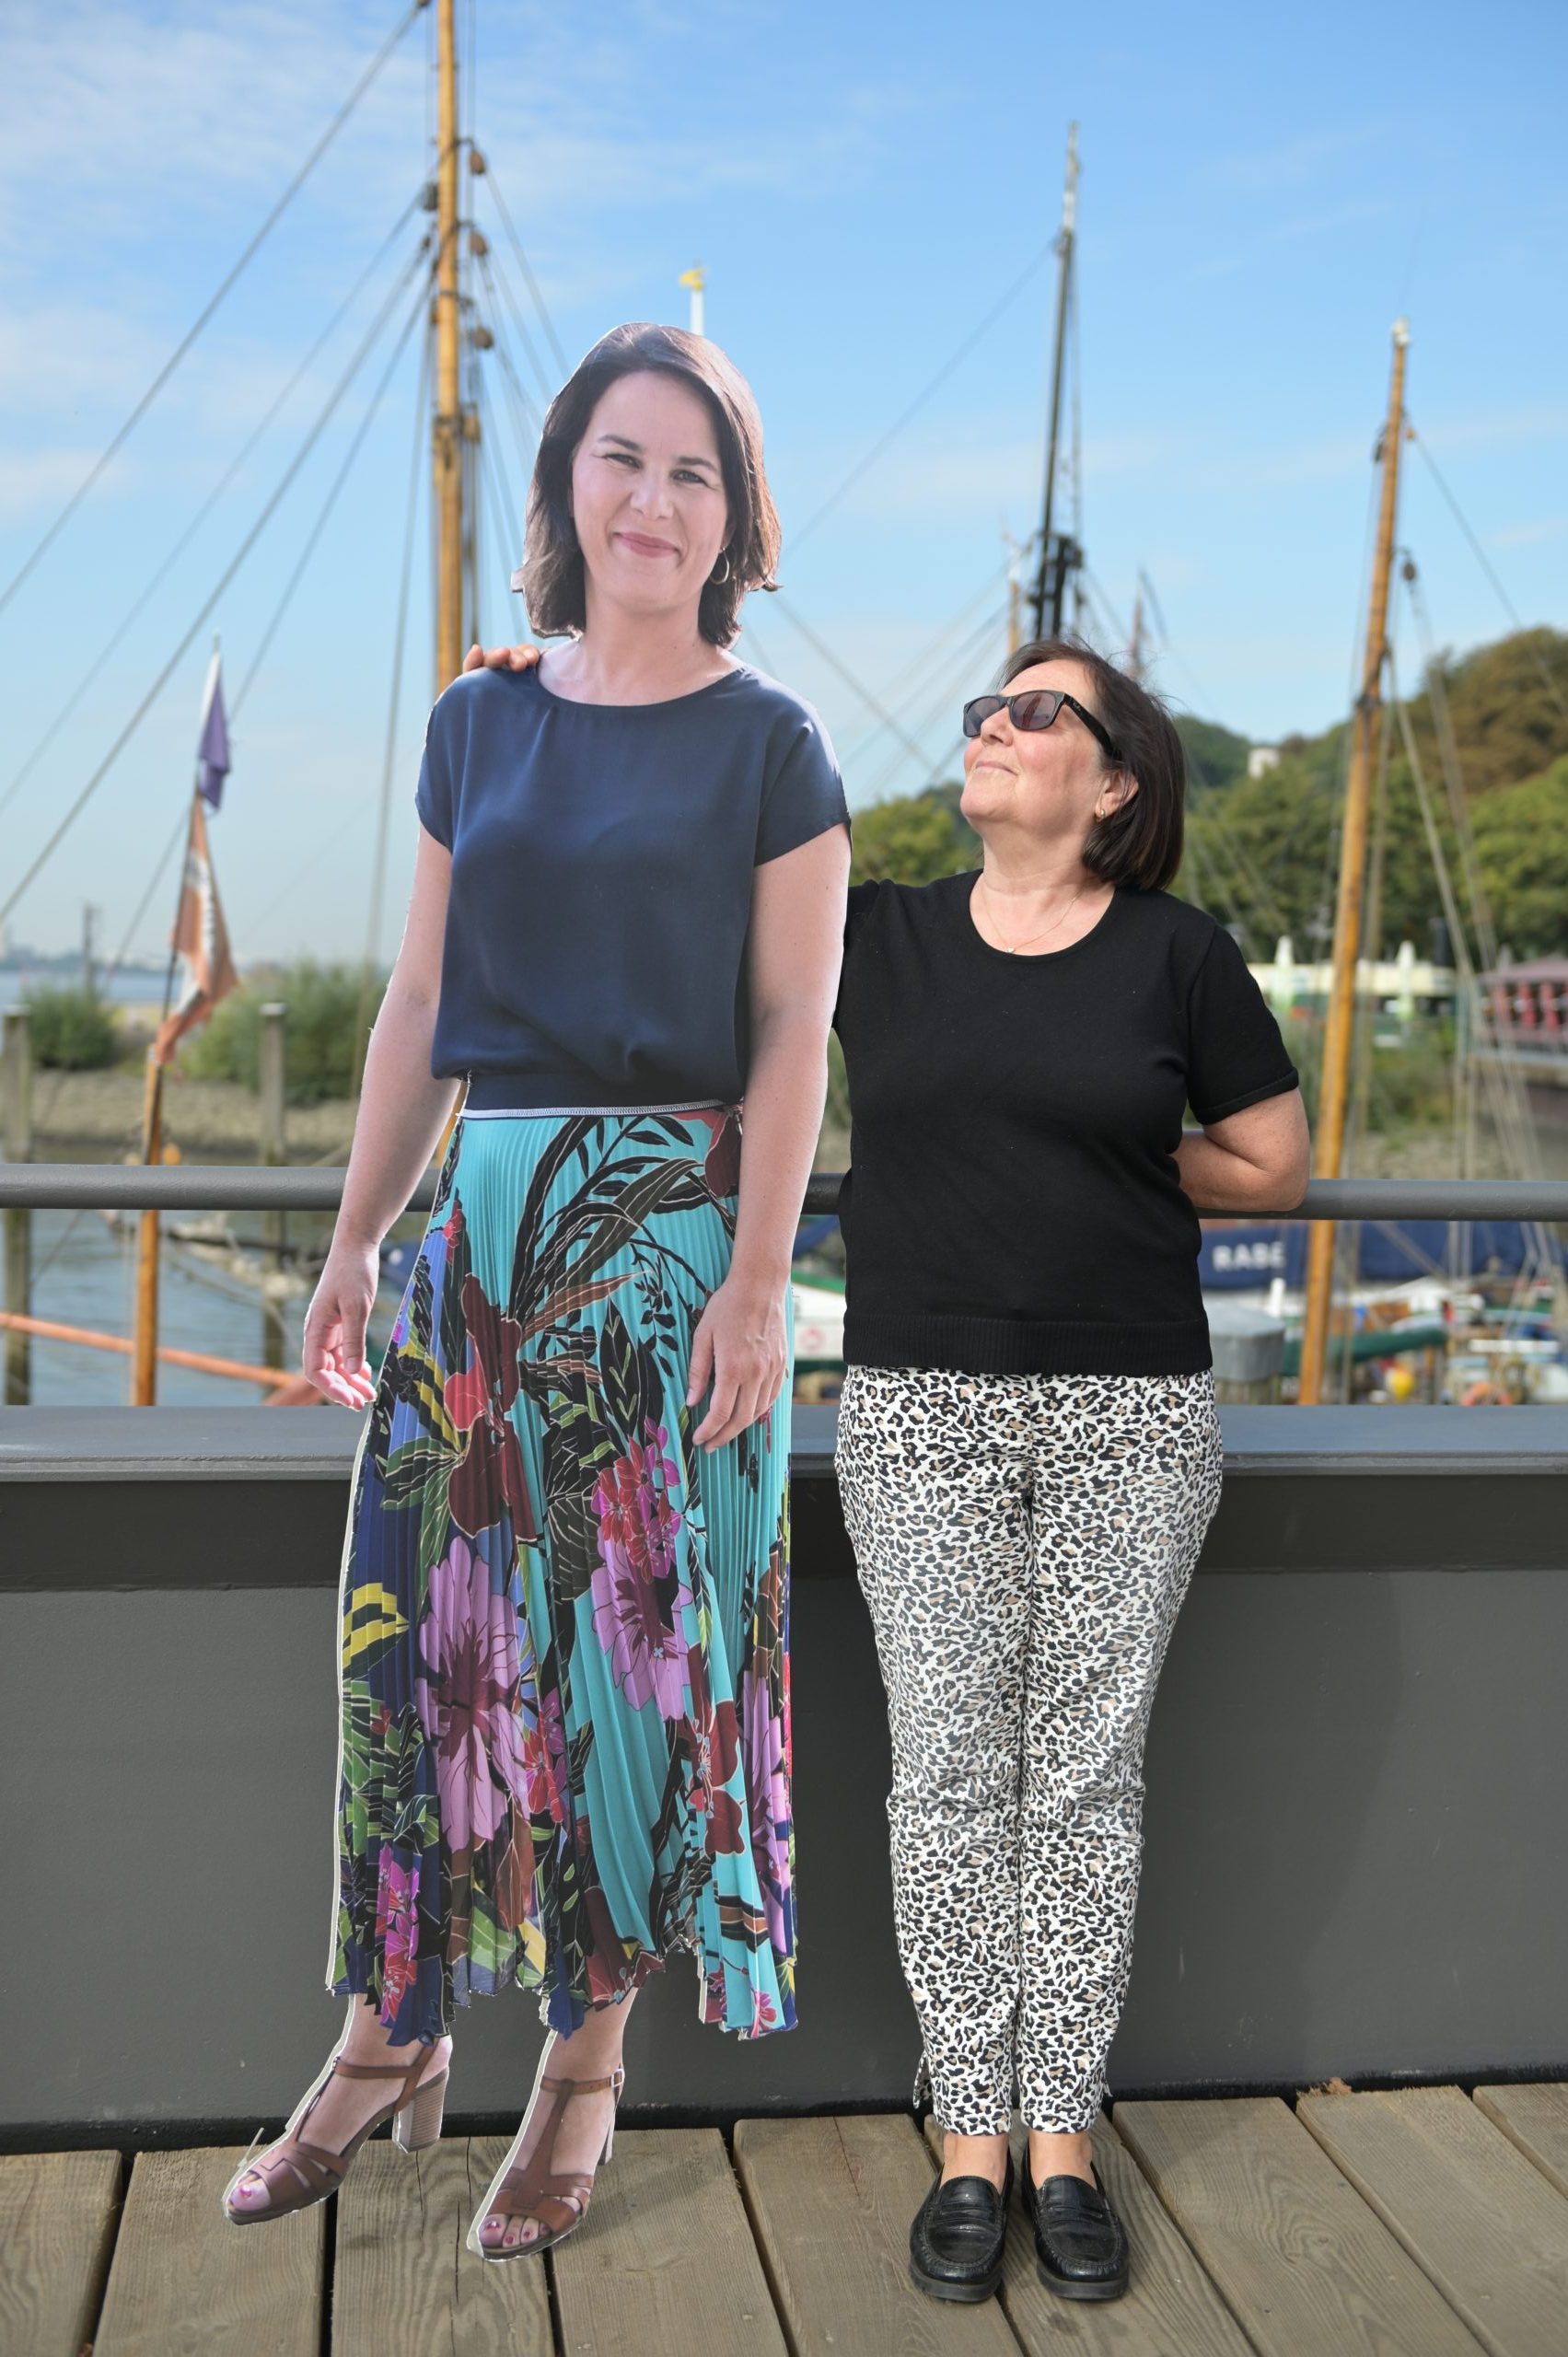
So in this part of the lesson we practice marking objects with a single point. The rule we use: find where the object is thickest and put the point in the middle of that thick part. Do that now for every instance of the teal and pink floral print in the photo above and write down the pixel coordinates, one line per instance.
(565, 1681)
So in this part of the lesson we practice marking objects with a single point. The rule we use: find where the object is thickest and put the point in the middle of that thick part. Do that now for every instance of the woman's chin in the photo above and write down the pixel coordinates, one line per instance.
(644, 594)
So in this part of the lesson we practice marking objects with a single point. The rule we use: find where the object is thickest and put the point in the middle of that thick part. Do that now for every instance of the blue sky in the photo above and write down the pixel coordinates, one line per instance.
(1262, 191)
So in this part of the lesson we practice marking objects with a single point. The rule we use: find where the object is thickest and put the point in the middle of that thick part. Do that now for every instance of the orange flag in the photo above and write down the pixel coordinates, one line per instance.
(201, 940)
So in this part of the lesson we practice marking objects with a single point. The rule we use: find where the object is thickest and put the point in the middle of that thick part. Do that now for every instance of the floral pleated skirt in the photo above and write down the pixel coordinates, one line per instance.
(565, 1746)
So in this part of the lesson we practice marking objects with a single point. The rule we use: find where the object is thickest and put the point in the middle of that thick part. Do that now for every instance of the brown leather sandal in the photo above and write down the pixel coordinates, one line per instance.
(556, 2201)
(414, 2111)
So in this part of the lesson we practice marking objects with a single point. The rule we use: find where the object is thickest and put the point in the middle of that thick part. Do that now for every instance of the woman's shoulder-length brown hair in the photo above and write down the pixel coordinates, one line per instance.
(550, 575)
(1140, 844)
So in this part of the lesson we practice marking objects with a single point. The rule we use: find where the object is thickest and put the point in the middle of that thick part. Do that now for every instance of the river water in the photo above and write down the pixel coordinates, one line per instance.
(134, 986)
(84, 1275)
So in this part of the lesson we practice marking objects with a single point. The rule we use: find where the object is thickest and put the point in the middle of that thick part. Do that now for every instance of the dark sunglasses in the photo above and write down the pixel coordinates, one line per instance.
(1035, 708)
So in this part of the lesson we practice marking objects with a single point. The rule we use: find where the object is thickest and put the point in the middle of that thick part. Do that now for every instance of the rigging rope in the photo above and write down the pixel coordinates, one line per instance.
(1107, 607)
(1509, 1104)
(952, 681)
(170, 847)
(860, 690)
(187, 535)
(929, 651)
(307, 552)
(167, 371)
(500, 286)
(498, 324)
(388, 758)
(529, 279)
(1490, 572)
(505, 516)
(167, 673)
(940, 379)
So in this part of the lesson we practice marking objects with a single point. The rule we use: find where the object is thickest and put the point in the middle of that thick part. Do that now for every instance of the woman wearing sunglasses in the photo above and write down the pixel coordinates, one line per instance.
(1029, 1453)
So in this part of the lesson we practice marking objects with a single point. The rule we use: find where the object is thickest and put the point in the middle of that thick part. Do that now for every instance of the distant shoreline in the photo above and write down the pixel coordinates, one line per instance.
(96, 1117)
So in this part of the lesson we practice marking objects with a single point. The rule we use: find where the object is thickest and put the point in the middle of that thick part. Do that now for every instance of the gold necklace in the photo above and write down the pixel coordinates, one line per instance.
(1012, 947)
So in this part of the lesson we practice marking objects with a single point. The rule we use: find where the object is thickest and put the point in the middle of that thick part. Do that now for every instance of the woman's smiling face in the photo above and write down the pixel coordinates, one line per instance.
(647, 494)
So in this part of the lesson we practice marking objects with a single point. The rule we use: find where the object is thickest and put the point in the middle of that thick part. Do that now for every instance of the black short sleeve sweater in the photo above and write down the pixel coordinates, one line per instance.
(1012, 1204)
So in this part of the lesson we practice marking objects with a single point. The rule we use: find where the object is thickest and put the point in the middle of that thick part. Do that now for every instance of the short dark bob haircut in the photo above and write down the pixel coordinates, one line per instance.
(552, 574)
(1140, 844)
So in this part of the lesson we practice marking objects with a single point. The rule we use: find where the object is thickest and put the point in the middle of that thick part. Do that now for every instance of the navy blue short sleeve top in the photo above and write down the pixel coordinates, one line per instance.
(602, 860)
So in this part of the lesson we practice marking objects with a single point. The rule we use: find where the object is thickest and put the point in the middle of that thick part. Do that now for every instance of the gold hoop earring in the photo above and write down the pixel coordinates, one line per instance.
(717, 580)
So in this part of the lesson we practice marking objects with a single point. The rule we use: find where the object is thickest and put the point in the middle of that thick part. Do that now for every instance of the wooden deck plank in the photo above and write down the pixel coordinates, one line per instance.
(665, 2259)
(1170, 2308)
(57, 2219)
(1302, 2264)
(1472, 2210)
(402, 2284)
(1536, 2118)
(185, 2284)
(831, 2202)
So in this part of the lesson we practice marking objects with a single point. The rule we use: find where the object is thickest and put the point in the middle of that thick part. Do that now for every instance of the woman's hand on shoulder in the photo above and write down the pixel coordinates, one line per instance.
(741, 1347)
(501, 658)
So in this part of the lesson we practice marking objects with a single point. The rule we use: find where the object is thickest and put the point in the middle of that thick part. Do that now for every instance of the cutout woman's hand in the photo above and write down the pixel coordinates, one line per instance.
(500, 658)
(740, 1350)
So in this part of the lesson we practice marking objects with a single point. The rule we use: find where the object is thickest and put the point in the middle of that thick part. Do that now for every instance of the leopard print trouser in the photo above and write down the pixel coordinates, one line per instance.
(1023, 1543)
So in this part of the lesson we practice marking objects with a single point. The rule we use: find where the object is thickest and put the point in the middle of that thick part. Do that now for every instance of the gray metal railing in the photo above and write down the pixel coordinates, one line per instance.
(91, 1185)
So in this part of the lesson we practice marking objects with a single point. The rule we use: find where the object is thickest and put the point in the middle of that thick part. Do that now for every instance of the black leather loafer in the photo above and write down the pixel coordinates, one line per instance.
(1079, 2239)
(958, 2235)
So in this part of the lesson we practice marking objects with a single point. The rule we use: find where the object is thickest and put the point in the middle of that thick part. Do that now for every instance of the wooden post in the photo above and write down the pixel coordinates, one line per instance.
(144, 1333)
(272, 1073)
(18, 1071)
(1328, 1147)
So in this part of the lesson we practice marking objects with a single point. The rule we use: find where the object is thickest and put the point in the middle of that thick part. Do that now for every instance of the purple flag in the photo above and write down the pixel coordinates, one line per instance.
(211, 752)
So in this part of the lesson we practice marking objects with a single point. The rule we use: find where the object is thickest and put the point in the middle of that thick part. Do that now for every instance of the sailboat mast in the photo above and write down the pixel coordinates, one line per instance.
(1333, 1094)
(1058, 555)
(448, 445)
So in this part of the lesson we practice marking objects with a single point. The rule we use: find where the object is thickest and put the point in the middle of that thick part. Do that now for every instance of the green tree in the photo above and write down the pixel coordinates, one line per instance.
(1263, 854)
(912, 839)
(322, 1002)
(1521, 837)
(1215, 756)
(71, 1028)
(1510, 722)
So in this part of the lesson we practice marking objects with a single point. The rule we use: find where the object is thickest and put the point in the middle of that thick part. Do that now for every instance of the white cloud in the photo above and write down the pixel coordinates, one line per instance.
(1493, 429)
(1293, 163)
(43, 479)
(214, 105)
(1518, 536)
(167, 118)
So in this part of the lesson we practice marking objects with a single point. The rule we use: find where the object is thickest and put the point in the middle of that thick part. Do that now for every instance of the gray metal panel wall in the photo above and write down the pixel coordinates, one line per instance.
(1354, 1822)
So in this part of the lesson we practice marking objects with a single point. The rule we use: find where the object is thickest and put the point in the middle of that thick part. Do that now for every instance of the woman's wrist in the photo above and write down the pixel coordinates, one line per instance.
(352, 1238)
(758, 1280)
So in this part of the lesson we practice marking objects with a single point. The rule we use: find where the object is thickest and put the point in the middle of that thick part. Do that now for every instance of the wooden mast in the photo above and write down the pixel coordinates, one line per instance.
(447, 446)
(1329, 1141)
